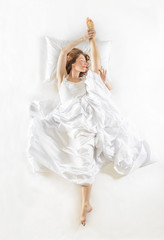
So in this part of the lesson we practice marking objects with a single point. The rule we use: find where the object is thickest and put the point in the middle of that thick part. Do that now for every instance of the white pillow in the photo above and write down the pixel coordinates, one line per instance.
(54, 47)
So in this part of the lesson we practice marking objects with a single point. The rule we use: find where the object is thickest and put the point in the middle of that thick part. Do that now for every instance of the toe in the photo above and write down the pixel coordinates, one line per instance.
(84, 222)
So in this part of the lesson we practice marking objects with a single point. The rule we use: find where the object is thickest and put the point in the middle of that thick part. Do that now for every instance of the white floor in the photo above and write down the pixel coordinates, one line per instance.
(45, 206)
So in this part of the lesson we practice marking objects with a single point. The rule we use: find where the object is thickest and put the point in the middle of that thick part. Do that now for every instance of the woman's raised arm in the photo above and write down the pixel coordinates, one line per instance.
(70, 46)
(62, 60)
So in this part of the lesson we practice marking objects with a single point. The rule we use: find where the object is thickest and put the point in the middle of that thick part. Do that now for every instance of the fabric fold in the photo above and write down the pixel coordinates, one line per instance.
(83, 131)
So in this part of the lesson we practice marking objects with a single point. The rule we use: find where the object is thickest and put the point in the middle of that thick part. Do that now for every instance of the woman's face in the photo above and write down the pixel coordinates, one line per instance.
(80, 64)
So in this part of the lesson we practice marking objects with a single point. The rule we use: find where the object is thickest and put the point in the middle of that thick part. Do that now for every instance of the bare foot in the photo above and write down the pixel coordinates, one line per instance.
(89, 23)
(85, 209)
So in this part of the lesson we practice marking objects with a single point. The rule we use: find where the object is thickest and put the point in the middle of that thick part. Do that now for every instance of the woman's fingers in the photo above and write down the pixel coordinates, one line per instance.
(103, 71)
(91, 34)
(91, 30)
(100, 69)
(103, 74)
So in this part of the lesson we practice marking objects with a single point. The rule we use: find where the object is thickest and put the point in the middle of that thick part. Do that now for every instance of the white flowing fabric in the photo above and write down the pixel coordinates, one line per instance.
(81, 132)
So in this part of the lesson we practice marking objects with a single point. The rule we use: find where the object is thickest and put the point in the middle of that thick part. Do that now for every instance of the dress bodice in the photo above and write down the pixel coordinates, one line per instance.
(70, 90)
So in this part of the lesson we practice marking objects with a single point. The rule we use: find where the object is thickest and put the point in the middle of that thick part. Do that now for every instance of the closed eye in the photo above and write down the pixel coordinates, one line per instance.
(83, 60)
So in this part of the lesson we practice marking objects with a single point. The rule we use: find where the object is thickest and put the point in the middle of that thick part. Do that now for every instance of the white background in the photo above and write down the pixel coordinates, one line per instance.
(45, 206)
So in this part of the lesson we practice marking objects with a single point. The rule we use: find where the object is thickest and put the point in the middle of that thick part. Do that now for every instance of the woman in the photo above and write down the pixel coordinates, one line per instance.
(86, 130)
(73, 62)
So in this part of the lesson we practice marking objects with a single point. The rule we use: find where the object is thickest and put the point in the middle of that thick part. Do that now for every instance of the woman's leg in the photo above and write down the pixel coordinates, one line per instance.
(85, 190)
(86, 207)
(95, 55)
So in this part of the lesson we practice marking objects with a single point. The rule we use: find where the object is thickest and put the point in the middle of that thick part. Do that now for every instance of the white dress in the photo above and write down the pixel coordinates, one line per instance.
(82, 133)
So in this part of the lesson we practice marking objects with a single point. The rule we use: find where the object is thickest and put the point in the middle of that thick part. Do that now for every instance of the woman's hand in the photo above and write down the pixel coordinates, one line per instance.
(90, 33)
(103, 74)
